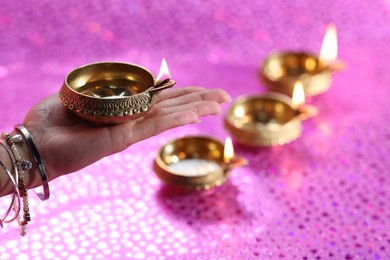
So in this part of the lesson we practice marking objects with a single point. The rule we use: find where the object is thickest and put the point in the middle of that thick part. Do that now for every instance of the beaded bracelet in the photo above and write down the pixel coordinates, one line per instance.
(45, 194)
(15, 181)
(16, 195)
(22, 166)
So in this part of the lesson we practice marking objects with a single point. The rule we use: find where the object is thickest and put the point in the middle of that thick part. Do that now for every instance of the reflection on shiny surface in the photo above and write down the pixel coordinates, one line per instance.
(111, 89)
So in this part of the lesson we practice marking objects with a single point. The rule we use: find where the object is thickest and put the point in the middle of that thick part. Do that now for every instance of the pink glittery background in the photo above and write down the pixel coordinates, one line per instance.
(323, 196)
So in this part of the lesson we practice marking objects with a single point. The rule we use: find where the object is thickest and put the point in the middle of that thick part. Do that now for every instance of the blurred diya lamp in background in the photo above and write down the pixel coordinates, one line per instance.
(196, 162)
(112, 92)
(281, 70)
(269, 119)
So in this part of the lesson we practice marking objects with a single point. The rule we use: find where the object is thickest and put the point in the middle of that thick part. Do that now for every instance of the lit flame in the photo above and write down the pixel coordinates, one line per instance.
(228, 152)
(164, 71)
(328, 53)
(298, 96)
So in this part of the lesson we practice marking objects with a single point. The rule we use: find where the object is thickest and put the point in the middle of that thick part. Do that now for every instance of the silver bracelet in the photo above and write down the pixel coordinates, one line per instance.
(45, 194)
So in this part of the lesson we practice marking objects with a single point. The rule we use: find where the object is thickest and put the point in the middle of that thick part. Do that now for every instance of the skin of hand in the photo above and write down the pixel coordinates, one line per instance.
(67, 143)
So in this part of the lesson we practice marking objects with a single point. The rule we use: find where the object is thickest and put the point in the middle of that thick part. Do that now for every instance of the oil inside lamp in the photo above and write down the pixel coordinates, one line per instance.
(201, 167)
(196, 162)
(194, 167)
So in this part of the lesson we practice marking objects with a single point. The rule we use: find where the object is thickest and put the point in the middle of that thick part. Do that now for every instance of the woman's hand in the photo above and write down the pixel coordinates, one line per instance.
(67, 143)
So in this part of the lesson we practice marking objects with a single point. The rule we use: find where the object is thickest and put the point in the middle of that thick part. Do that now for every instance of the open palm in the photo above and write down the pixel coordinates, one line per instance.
(68, 143)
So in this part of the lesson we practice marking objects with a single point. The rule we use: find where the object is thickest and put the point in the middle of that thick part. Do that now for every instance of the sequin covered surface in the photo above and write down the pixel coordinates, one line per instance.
(323, 196)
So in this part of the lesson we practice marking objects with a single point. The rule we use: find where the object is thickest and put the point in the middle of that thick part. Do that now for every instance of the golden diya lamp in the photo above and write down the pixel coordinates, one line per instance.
(269, 119)
(196, 162)
(281, 70)
(112, 92)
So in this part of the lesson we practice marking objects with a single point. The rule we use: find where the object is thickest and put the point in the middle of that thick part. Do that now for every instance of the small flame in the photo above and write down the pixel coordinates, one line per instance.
(228, 152)
(298, 96)
(328, 53)
(164, 71)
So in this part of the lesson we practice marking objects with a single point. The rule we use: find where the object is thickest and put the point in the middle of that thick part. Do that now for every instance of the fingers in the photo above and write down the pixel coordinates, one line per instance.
(176, 92)
(156, 125)
(177, 107)
(216, 95)
(201, 108)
